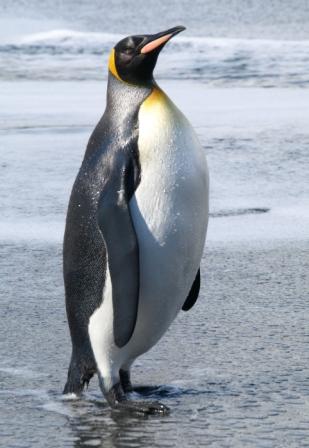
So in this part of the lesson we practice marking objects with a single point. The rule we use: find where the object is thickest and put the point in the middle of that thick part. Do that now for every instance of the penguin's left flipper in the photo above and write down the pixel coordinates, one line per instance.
(193, 294)
(116, 225)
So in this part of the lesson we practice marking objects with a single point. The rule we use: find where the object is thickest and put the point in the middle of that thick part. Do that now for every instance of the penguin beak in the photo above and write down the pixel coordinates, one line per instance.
(155, 41)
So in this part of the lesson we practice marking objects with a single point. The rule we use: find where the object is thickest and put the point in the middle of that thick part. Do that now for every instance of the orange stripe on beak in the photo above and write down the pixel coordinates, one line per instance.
(156, 43)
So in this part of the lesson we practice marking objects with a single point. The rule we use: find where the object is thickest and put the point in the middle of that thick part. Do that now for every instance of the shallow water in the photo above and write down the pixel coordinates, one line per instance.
(239, 375)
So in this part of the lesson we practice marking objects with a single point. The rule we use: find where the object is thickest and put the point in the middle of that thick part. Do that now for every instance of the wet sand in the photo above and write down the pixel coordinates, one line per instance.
(233, 370)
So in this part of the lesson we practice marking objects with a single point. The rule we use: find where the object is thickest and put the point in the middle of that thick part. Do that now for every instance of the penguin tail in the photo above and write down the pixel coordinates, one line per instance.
(79, 375)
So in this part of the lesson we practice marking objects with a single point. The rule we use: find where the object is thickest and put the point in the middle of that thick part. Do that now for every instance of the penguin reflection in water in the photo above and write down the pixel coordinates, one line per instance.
(136, 226)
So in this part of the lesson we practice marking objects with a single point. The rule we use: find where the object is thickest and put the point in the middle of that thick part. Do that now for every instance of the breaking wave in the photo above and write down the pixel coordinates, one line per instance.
(68, 54)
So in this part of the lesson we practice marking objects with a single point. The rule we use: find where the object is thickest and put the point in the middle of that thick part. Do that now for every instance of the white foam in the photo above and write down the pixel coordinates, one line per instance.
(70, 397)
(14, 29)
(219, 61)
(68, 37)
(92, 442)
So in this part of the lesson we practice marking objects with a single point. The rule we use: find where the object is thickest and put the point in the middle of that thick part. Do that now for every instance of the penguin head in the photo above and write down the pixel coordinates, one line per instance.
(134, 58)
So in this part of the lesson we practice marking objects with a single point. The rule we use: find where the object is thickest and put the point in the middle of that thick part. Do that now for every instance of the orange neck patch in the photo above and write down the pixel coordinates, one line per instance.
(112, 65)
(156, 97)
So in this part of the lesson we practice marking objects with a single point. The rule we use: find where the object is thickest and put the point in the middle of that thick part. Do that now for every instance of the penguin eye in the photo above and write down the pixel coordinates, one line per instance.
(128, 50)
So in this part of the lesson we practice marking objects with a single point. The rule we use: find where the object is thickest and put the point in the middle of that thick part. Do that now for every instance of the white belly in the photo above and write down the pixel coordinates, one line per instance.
(170, 215)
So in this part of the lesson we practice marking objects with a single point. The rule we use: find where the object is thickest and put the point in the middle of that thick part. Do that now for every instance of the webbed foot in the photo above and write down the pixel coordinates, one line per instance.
(143, 407)
(118, 400)
(80, 373)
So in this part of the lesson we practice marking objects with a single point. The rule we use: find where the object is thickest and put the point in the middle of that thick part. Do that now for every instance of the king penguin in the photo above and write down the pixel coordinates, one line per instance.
(136, 226)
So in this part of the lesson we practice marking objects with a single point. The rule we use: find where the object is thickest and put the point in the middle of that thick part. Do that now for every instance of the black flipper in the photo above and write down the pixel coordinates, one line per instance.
(193, 294)
(119, 235)
(99, 232)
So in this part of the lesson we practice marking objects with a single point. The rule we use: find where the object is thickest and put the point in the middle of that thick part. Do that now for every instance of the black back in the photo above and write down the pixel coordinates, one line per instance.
(99, 224)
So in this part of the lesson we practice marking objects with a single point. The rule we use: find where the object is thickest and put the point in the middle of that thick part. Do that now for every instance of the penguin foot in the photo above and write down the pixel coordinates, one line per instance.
(125, 381)
(142, 407)
(119, 401)
(79, 375)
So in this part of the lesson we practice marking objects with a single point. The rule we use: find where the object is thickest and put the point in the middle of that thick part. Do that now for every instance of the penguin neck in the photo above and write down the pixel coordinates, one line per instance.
(125, 99)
